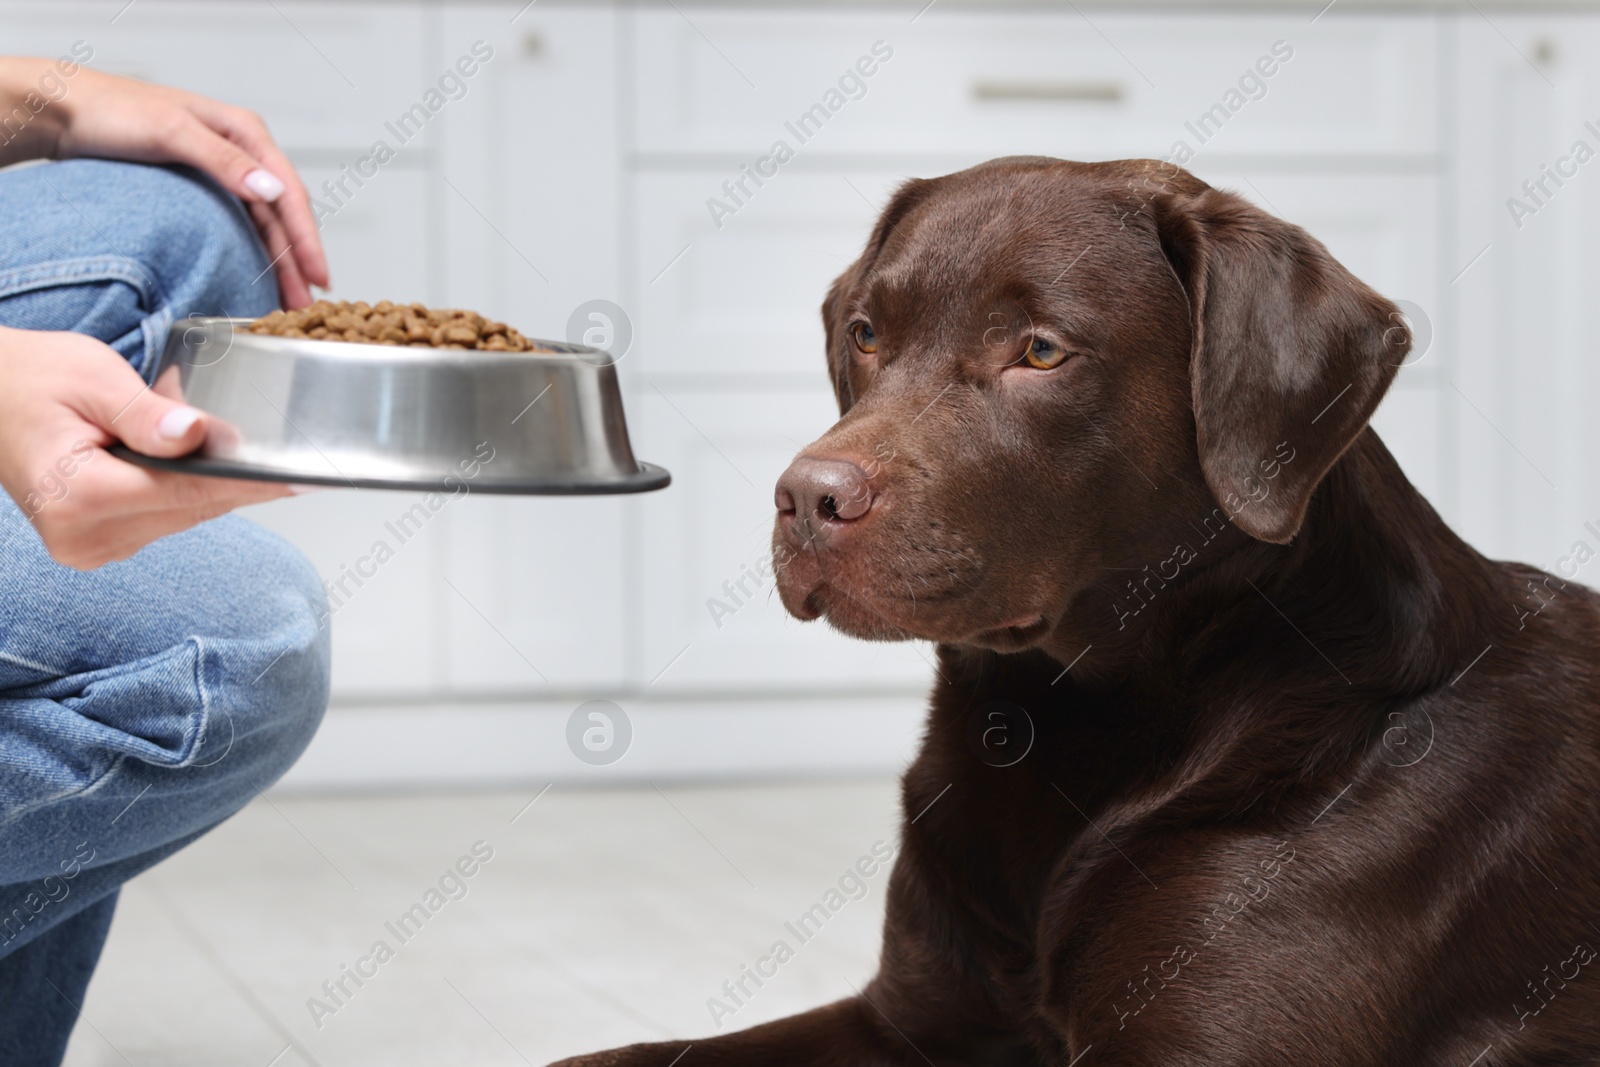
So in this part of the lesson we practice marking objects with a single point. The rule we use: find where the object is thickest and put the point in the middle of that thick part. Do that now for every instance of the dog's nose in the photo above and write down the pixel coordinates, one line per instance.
(814, 490)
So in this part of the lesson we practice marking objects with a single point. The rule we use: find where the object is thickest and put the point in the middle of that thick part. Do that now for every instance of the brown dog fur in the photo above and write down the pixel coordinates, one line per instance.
(1319, 784)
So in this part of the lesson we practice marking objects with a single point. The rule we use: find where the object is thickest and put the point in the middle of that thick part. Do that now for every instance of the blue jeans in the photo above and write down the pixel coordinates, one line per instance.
(142, 703)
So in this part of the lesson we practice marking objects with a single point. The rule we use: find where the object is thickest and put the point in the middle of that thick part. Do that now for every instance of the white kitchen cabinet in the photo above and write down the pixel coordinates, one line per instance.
(529, 187)
(1528, 373)
(534, 597)
(529, 204)
(1079, 83)
(373, 253)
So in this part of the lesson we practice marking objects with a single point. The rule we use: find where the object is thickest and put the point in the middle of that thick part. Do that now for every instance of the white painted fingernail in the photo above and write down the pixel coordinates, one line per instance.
(177, 422)
(264, 184)
(301, 488)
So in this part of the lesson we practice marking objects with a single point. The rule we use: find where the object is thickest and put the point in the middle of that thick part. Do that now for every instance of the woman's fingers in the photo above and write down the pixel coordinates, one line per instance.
(234, 147)
(294, 209)
(116, 402)
(294, 206)
(117, 118)
(68, 396)
(292, 285)
(189, 140)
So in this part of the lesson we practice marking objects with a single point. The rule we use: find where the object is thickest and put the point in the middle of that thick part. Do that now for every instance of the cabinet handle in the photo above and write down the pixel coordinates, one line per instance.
(1072, 92)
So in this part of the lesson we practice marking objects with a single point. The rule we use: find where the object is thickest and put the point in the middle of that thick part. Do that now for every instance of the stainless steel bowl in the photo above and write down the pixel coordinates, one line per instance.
(387, 417)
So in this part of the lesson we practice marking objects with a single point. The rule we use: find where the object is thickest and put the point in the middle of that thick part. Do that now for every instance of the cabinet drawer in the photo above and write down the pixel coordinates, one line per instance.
(1092, 85)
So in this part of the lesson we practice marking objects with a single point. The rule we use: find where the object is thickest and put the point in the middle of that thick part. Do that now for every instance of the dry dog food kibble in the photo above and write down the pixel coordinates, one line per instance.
(385, 323)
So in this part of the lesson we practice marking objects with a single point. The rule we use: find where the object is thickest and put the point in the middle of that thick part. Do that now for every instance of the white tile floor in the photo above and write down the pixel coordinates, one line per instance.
(604, 917)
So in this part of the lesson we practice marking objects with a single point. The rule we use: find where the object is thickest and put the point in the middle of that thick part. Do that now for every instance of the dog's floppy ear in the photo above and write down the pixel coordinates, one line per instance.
(1291, 354)
(905, 198)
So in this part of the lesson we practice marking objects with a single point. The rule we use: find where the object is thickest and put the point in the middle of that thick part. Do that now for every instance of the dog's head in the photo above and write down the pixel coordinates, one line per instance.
(1051, 372)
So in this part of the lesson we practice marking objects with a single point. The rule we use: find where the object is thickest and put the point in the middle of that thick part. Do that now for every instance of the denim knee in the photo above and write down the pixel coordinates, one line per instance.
(144, 702)
(122, 250)
(267, 679)
(264, 673)
(195, 236)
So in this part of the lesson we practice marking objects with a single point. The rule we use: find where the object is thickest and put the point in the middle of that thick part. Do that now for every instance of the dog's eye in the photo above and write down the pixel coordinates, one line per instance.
(1043, 355)
(866, 341)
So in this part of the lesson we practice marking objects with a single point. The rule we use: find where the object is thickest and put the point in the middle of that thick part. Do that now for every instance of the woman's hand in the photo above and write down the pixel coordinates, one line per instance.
(120, 118)
(66, 397)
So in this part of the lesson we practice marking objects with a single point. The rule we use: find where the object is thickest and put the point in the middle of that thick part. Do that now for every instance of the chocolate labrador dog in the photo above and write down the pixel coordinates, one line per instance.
(1237, 755)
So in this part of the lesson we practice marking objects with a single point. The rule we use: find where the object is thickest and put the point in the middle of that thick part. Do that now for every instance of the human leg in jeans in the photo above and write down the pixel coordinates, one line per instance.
(143, 702)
